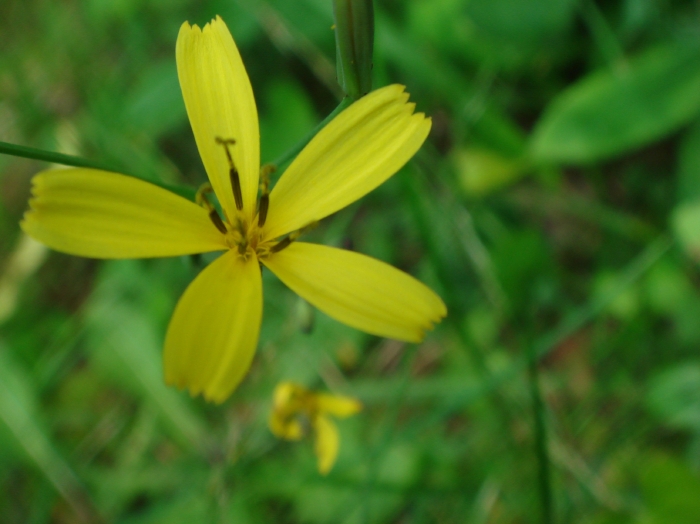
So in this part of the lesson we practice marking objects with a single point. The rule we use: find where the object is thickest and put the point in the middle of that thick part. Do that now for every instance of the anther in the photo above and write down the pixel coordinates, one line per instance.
(232, 171)
(265, 172)
(279, 246)
(216, 219)
(202, 200)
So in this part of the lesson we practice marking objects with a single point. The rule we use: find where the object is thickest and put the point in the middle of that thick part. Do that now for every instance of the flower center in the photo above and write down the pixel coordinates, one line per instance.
(242, 235)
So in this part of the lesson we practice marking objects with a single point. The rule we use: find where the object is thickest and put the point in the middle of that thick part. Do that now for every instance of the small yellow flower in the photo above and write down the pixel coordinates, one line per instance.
(294, 405)
(214, 330)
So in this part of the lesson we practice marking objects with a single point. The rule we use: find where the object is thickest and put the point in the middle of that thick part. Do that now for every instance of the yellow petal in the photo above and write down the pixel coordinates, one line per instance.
(220, 103)
(357, 151)
(214, 331)
(327, 443)
(337, 405)
(98, 214)
(284, 427)
(289, 396)
(358, 290)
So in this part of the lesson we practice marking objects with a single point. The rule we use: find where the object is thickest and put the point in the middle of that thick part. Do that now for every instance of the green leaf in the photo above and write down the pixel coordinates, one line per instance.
(688, 187)
(674, 396)
(686, 227)
(126, 347)
(610, 112)
(155, 105)
(482, 171)
(670, 491)
(19, 415)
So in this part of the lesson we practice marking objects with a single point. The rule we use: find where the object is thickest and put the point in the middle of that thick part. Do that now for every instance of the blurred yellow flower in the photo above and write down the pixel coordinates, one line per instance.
(295, 405)
(214, 330)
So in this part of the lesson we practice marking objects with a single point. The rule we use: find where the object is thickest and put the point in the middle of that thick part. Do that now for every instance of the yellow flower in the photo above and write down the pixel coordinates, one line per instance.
(214, 330)
(293, 402)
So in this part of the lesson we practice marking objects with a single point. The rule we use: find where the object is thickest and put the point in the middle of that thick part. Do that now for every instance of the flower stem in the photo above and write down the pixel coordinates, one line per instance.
(294, 151)
(50, 156)
(541, 447)
(76, 161)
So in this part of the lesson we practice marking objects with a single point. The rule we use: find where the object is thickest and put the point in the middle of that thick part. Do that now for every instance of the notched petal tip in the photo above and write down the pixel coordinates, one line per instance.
(357, 151)
(359, 291)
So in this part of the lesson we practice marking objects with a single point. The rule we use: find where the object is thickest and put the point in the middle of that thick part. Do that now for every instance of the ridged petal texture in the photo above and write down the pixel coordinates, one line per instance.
(219, 101)
(358, 290)
(98, 214)
(356, 152)
(214, 331)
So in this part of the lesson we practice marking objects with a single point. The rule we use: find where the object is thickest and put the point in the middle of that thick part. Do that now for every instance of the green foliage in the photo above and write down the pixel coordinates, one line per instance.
(555, 207)
(610, 112)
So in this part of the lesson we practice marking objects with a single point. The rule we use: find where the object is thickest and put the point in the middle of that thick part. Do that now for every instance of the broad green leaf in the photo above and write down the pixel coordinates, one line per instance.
(608, 113)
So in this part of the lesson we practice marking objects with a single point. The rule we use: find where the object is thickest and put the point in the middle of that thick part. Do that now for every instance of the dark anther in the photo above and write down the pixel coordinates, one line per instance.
(265, 173)
(202, 200)
(236, 185)
(279, 246)
(233, 172)
(262, 211)
(292, 237)
(214, 217)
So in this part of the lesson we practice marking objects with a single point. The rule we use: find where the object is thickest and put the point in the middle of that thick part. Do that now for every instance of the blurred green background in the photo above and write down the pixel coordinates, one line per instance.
(555, 208)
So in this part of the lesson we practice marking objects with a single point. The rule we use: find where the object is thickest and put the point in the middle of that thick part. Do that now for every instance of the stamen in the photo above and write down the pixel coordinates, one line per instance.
(264, 204)
(202, 200)
(279, 246)
(233, 172)
(214, 217)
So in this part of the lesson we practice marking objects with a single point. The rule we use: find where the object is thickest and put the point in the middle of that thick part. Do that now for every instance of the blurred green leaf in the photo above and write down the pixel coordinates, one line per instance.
(155, 104)
(187, 508)
(626, 304)
(611, 112)
(685, 221)
(126, 346)
(674, 396)
(503, 33)
(20, 416)
(482, 171)
(688, 187)
(670, 491)
(286, 116)
(667, 288)
(521, 21)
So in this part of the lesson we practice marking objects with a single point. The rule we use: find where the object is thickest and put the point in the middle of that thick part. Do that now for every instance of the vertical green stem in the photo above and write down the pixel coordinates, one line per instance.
(541, 445)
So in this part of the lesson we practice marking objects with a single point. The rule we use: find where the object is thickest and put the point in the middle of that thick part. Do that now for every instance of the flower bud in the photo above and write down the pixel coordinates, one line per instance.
(354, 40)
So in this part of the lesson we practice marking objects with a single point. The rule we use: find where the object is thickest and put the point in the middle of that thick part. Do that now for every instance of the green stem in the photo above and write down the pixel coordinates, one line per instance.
(294, 151)
(541, 448)
(76, 161)
(50, 156)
